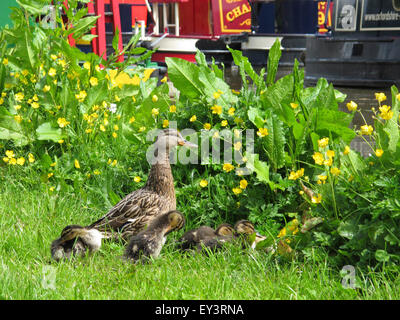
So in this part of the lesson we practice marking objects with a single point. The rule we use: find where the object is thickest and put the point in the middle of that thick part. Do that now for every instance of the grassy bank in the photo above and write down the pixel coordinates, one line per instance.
(31, 218)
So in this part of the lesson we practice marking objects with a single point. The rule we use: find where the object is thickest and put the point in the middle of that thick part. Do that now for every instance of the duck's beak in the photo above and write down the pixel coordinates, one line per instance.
(259, 237)
(187, 144)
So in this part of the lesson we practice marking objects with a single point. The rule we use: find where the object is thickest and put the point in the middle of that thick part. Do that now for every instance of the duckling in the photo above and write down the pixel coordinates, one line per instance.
(148, 243)
(224, 233)
(244, 229)
(194, 238)
(75, 241)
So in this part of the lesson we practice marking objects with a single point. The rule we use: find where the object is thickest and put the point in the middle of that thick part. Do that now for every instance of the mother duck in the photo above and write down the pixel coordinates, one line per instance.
(134, 212)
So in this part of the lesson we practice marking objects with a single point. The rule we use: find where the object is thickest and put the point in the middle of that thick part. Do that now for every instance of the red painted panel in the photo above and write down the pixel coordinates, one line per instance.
(139, 11)
(160, 56)
(195, 17)
(231, 16)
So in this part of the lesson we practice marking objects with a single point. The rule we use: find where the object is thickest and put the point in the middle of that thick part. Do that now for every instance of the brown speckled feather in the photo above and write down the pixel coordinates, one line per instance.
(137, 209)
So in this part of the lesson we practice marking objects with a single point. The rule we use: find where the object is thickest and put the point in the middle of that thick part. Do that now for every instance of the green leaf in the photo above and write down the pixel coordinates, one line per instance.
(82, 26)
(185, 77)
(244, 65)
(115, 41)
(274, 56)
(46, 132)
(274, 142)
(256, 116)
(382, 255)
(201, 59)
(391, 127)
(348, 229)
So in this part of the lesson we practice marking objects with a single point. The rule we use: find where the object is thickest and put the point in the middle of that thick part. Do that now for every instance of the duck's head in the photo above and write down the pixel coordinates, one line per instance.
(169, 138)
(72, 231)
(224, 229)
(175, 221)
(246, 228)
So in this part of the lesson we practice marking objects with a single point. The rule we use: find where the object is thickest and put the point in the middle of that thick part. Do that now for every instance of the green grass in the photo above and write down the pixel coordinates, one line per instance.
(31, 218)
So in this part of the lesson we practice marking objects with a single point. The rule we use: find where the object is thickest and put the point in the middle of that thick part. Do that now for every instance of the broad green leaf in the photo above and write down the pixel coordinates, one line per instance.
(274, 142)
(201, 59)
(46, 132)
(382, 255)
(256, 116)
(115, 41)
(185, 77)
(391, 127)
(82, 26)
(274, 55)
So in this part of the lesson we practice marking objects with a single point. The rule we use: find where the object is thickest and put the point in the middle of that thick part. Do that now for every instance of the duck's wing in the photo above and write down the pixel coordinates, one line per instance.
(136, 208)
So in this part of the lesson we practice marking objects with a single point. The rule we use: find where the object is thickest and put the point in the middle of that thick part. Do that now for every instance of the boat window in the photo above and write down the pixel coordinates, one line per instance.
(166, 16)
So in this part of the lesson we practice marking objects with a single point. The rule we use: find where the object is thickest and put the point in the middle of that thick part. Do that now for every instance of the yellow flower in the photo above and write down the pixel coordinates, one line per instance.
(216, 109)
(133, 99)
(62, 63)
(13, 161)
(235, 91)
(322, 143)
(132, 120)
(237, 191)
(207, 126)
(398, 96)
(352, 106)
(93, 81)
(318, 158)
(164, 80)
(114, 163)
(172, 108)
(328, 162)
(81, 96)
(35, 98)
(10, 154)
(294, 105)
(49, 175)
(53, 164)
(335, 171)
(386, 113)
(46, 88)
(380, 96)
(61, 141)
(17, 106)
(97, 67)
(243, 184)
(86, 65)
(366, 129)
(296, 175)
(228, 167)
(330, 153)
(116, 128)
(77, 165)
(115, 135)
(96, 172)
(262, 132)
(231, 111)
(322, 179)
(193, 118)
(282, 233)
(154, 98)
(137, 179)
(35, 105)
(5, 61)
(155, 111)
(346, 150)
(21, 161)
(316, 199)
(31, 158)
(165, 123)
(102, 128)
(141, 129)
(62, 122)
(237, 146)
(53, 57)
(106, 122)
(379, 152)
(203, 183)
(18, 118)
(224, 123)
(216, 95)
(5, 159)
(19, 97)
(52, 72)
(51, 189)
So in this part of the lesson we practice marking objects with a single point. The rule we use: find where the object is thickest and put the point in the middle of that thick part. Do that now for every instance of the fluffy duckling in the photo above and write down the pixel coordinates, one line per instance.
(224, 233)
(244, 229)
(148, 243)
(75, 241)
(196, 237)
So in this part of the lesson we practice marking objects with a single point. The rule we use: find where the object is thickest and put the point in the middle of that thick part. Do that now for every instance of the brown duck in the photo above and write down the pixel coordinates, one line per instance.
(134, 212)
(244, 230)
(148, 243)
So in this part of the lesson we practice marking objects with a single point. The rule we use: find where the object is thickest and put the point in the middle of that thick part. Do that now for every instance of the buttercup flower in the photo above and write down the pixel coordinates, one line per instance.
(296, 175)
(207, 126)
(322, 143)
(77, 165)
(330, 153)
(228, 167)
(62, 122)
(137, 179)
(216, 109)
(316, 199)
(203, 183)
(164, 80)
(243, 184)
(237, 146)
(366, 130)
(237, 191)
(155, 112)
(379, 152)
(19, 96)
(93, 81)
(52, 72)
(386, 113)
(86, 65)
(154, 98)
(352, 106)
(35, 105)
(335, 171)
(165, 123)
(46, 88)
(231, 111)
(193, 118)
(262, 132)
(318, 158)
(172, 108)
(18, 118)
(5, 61)
(132, 120)
(224, 123)
(346, 150)
(380, 96)
(81, 96)
(294, 105)
(216, 95)
(31, 158)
